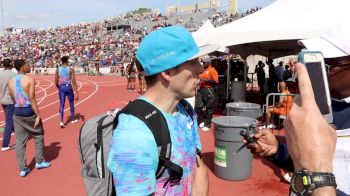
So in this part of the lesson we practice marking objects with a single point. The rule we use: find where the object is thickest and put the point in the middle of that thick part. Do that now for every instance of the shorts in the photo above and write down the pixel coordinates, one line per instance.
(281, 111)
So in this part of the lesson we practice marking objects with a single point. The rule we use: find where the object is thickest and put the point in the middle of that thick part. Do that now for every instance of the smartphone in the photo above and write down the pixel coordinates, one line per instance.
(314, 63)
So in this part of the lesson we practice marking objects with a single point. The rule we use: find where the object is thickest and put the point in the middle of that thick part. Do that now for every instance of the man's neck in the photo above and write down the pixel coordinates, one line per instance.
(165, 101)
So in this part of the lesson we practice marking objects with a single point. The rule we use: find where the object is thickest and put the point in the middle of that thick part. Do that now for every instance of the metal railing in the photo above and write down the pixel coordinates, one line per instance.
(267, 106)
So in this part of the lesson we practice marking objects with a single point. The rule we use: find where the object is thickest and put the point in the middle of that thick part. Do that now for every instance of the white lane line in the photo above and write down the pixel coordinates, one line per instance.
(51, 84)
(45, 92)
(57, 100)
(104, 82)
(38, 86)
(120, 84)
(3, 122)
(88, 97)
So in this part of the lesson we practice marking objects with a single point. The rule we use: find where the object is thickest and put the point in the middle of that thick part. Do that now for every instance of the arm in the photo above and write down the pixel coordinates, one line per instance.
(11, 90)
(133, 157)
(74, 83)
(268, 147)
(32, 99)
(214, 77)
(200, 184)
(282, 98)
(56, 78)
(311, 141)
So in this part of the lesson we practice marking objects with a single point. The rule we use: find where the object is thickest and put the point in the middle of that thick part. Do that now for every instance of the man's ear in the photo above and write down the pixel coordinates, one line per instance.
(166, 75)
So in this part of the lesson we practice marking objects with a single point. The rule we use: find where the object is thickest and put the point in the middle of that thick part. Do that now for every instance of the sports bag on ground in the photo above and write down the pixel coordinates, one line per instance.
(95, 139)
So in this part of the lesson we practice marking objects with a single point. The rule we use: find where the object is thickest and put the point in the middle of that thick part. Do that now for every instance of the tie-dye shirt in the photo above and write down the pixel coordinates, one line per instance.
(21, 97)
(63, 74)
(133, 156)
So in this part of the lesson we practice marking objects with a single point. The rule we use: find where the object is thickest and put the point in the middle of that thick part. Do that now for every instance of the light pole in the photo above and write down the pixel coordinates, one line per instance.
(2, 16)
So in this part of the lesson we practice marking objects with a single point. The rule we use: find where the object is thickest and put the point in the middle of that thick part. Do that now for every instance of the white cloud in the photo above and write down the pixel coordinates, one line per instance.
(23, 17)
(43, 15)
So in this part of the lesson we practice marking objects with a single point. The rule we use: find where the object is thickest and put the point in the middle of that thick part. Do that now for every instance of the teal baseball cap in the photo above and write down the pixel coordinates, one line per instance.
(167, 48)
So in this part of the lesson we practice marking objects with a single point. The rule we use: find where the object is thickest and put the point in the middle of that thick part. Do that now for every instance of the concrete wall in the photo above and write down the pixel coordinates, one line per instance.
(211, 4)
(232, 6)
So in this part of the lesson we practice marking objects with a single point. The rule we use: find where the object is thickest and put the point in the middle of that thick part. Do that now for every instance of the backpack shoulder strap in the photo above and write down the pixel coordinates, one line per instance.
(156, 122)
(189, 109)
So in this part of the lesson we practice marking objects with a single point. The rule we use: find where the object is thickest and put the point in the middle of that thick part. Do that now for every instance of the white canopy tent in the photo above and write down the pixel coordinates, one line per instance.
(200, 36)
(274, 30)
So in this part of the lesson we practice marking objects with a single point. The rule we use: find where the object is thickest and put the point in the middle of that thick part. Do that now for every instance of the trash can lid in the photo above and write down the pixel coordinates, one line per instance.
(243, 105)
(234, 121)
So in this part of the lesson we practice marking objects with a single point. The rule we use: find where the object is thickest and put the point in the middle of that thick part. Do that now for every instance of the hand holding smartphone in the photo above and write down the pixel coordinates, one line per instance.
(316, 68)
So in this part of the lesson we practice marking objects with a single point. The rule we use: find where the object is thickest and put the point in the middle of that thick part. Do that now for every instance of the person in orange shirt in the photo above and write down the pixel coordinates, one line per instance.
(285, 103)
(205, 97)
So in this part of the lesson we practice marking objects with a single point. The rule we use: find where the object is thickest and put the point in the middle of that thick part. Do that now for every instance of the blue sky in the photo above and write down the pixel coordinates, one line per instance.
(52, 13)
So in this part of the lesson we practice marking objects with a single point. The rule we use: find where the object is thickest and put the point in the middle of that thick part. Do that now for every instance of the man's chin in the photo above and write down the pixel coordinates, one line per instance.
(340, 95)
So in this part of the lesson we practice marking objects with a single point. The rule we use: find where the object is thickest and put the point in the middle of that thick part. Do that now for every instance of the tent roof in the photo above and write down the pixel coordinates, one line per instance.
(200, 36)
(282, 20)
(207, 26)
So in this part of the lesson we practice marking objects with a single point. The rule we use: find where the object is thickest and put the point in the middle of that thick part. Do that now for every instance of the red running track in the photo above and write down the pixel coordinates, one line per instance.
(97, 95)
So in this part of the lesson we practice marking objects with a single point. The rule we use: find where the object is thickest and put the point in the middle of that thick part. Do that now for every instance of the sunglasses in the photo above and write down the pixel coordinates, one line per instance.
(335, 65)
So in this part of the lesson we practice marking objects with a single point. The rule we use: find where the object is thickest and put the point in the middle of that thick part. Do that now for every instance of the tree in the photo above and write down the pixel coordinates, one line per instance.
(141, 11)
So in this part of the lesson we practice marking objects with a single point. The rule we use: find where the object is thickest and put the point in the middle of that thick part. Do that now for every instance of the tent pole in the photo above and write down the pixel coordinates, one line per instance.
(228, 76)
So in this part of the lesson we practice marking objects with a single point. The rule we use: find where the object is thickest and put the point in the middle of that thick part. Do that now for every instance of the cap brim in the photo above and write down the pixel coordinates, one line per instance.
(206, 49)
(319, 44)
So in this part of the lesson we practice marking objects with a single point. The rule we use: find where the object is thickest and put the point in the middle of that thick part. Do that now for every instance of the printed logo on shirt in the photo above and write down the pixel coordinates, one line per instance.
(189, 125)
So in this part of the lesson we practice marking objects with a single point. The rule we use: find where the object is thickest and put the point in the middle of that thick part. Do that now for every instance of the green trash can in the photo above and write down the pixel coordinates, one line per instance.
(245, 109)
(227, 164)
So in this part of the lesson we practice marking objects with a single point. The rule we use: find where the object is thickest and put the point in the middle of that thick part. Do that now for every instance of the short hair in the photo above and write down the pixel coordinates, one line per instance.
(19, 63)
(64, 59)
(7, 63)
(282, 84)
(150, 80)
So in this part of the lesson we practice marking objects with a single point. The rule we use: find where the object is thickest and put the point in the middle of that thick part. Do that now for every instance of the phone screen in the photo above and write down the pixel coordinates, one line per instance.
(317, 81)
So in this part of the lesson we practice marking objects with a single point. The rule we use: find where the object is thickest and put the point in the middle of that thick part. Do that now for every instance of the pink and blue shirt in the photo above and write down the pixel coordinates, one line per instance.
(133, 156)
(21, 97)
(63, 75)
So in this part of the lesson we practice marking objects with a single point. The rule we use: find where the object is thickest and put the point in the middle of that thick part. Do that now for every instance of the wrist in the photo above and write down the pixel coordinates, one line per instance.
(316, 166)
(274, 153)
(326, 191)
(305, 182)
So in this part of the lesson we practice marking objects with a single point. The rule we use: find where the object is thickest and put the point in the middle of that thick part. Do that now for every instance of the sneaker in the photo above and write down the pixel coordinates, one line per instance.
(42, 165)
(205, 129)
(62, 125)
(24, 172)
(262, 127)
(201, 125)
(74, 121)
(10, 147)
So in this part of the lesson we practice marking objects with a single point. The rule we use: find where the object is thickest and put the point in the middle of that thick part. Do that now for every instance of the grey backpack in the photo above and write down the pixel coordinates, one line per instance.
(95, 139)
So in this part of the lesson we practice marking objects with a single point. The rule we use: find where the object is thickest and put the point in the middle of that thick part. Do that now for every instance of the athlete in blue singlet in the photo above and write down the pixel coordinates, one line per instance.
(26, 118)
(67, 87)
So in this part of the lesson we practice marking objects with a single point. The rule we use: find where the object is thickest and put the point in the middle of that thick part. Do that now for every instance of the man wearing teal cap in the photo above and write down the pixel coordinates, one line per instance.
(169, 59)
